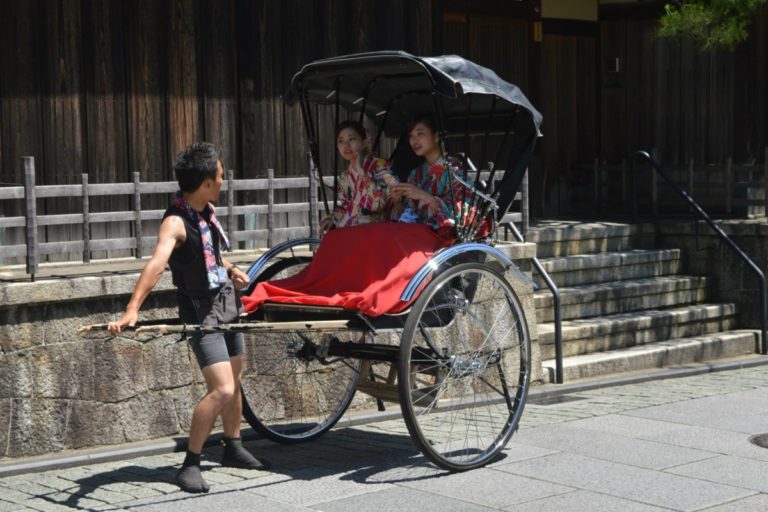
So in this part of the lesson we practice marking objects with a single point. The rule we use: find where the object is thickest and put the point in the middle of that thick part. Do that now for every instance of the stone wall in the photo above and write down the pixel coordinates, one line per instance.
(703, 253)
(59, 391)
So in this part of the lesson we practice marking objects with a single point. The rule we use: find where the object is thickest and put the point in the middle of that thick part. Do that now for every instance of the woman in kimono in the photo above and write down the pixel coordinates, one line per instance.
(363, 189)
(427, 196)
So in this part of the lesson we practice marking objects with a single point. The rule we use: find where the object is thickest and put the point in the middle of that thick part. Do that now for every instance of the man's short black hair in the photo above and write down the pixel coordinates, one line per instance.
(194, 164)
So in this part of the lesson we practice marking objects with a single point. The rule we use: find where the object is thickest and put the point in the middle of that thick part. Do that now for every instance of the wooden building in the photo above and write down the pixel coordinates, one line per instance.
(108, 87)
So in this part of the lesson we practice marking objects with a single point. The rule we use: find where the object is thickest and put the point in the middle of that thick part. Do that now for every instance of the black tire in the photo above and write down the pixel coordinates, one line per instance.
(291, 394)
(464, 367)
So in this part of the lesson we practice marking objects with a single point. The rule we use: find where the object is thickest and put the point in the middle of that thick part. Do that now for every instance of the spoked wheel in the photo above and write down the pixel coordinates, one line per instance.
(464, 367)
(292, 390)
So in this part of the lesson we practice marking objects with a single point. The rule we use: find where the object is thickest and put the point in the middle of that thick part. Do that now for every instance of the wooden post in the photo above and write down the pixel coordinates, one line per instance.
(30, 200)
(728, 183)
(525, 205)
(137, 213)
(270, 207)
(86, 220)
(597, 191)
(314, 225)
(231, 208)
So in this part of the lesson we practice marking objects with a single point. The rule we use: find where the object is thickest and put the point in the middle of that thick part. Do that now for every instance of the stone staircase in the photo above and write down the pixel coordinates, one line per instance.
(624, 308)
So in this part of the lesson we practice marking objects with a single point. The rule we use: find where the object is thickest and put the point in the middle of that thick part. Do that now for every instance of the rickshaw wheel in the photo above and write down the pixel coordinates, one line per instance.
(464, 367)
(290, 393)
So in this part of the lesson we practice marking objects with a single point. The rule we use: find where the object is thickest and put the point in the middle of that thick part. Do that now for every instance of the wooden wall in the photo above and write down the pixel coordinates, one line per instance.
(683, 102)
(108, 87)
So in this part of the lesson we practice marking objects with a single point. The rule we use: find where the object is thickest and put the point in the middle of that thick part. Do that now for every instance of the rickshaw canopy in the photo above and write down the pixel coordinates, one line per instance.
(390, 87)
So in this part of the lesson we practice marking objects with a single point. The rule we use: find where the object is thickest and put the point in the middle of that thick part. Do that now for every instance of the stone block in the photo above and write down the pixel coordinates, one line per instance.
(21, 328)
(148, 416)
(5, 423)
(119, 370)
(37, 426)
(17, 377)
(169, 363)
(64, 370)
(92, 423)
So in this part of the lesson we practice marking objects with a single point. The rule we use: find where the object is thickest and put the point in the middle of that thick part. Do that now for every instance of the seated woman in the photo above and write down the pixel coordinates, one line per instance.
(366, 267)
(427, 196)
(363, 188)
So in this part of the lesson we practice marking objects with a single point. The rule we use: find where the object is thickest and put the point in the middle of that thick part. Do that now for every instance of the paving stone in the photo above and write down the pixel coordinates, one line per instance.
(489, 488)
(628, 482)
(584, 501)
(313, 486)
(400, 499)
(756, 503)
(611, 447)
(729, 470)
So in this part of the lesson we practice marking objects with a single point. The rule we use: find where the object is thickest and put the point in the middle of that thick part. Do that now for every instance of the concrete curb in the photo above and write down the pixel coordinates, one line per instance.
(173, 445)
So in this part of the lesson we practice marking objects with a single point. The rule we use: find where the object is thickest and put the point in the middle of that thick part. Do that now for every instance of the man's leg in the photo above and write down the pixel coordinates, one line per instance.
(221, 386)
(235, 455)
(233, 411)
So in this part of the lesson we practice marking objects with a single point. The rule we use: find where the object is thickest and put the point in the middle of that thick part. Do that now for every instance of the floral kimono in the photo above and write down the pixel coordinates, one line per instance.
(363, 198)
(436, 180)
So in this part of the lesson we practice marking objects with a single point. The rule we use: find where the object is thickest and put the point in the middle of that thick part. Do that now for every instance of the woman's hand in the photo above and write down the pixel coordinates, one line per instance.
(325, 226)
(413, 193)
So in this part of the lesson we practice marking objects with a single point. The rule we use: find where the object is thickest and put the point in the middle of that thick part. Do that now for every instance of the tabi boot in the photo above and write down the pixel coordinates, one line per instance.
(236, 456)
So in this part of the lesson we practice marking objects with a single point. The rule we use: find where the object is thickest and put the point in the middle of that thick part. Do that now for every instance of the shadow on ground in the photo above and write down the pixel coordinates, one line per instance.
(366, 457)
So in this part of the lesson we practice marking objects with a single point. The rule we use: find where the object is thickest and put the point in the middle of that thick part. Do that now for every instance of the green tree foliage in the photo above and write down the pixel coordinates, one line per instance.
(710, 23)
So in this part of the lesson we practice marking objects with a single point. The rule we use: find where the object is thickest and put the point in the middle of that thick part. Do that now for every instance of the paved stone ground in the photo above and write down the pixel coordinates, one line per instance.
(674, 444)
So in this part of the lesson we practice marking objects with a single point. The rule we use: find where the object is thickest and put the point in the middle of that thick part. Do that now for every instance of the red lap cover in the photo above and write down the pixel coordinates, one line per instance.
(363, 268)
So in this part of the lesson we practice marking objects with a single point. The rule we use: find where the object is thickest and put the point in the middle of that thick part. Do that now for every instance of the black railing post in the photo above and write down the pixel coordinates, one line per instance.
(555, 303)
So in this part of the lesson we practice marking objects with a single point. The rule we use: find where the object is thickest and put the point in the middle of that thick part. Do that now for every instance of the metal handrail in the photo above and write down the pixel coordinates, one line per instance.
(556, 303)
(720, 233)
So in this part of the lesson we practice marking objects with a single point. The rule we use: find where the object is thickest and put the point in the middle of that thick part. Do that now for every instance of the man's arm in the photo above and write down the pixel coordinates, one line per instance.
(172, 231)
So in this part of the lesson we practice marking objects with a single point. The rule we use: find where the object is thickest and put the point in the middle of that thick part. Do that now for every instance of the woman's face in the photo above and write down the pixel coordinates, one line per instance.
(423, 140)
(350, 143)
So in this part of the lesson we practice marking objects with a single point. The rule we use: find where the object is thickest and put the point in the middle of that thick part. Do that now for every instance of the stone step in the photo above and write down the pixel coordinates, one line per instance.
(584, 336)
(709, 347)
(621, 297)
(562, 238)
(606, 267)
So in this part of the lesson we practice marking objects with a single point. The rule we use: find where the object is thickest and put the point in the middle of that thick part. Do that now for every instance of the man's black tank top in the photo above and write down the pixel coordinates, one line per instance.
(187, 263)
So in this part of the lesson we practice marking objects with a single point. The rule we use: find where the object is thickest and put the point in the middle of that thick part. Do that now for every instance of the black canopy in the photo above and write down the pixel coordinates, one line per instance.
(392, 86)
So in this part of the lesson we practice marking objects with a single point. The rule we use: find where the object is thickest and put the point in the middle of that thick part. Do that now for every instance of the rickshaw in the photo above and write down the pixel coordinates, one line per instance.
(457, 355)
(458, 358)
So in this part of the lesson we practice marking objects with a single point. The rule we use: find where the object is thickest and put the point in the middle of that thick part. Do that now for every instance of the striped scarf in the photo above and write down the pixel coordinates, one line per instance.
(215, 277)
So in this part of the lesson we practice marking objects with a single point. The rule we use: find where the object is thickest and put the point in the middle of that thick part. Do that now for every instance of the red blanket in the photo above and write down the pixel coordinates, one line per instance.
(363, 268)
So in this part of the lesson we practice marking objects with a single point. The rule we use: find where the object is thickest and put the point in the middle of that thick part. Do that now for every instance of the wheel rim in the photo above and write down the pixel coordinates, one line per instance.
(466, 369)
(291, 394)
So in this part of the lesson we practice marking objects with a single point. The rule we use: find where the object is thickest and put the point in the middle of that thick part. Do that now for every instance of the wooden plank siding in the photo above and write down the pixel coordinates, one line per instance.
(682, 102)
(107, 88)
